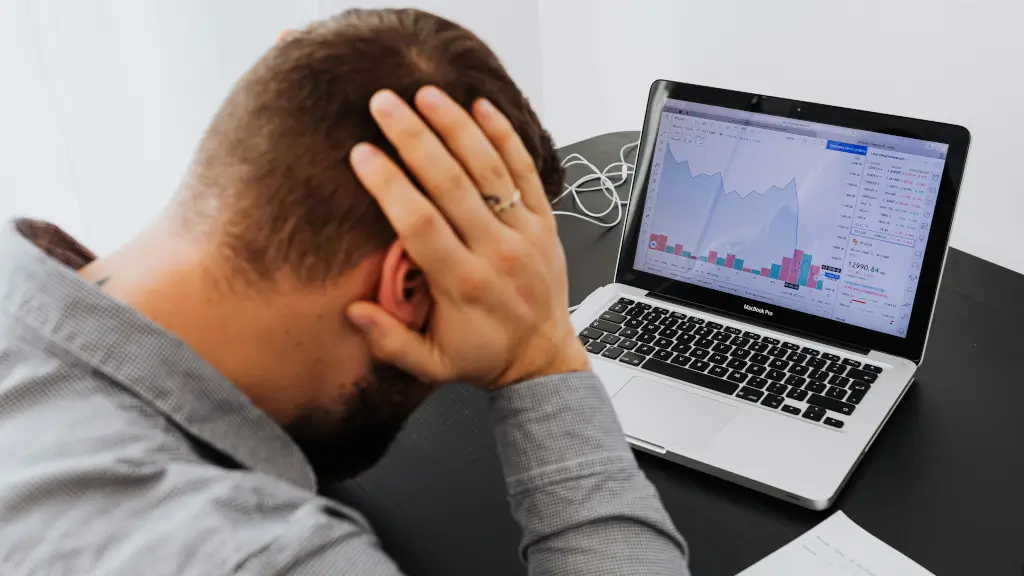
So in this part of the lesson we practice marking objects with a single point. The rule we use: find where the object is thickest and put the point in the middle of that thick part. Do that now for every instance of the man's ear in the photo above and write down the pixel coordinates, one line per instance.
(403, 288)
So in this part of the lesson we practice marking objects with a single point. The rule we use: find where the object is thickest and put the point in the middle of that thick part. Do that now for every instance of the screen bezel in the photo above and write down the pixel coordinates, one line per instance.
(912, 346)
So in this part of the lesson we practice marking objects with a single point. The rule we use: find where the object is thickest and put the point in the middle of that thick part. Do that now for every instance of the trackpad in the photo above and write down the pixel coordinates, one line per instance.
(674, 419)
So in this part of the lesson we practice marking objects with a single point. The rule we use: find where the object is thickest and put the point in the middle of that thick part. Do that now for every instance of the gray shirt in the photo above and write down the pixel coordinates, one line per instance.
(122, 452)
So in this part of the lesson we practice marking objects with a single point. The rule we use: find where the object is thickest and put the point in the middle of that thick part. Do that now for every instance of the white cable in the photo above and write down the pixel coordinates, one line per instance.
(624, 170)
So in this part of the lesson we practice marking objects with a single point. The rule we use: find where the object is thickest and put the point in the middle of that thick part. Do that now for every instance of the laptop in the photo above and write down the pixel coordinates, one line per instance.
(775, 282)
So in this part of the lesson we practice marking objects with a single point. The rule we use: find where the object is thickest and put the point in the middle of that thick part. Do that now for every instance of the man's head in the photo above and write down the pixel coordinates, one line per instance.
(292, 236)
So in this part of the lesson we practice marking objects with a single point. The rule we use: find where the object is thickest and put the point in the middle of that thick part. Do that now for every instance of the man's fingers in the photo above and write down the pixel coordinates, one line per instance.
(429, 159)
(471, 147)
(423, 231)
(510, 146)
(393, 342)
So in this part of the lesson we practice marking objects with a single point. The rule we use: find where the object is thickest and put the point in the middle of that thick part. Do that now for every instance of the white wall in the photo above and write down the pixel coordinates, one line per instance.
(103, 101)
(946, 60)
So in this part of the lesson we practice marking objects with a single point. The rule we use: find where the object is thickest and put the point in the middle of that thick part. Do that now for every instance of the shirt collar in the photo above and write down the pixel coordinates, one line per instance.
(40, 288)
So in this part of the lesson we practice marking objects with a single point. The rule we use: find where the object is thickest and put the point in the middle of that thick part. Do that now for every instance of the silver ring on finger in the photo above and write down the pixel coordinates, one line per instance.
(499, 206)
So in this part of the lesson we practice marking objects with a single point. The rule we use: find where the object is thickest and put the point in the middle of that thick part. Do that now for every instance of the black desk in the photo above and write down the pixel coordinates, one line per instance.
(943, 483)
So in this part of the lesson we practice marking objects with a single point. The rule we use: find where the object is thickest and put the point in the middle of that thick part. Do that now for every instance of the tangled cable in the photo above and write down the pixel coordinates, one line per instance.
(624, 168)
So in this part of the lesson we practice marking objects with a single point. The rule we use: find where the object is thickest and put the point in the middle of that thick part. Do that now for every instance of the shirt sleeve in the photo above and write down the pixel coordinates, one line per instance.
(574, 485)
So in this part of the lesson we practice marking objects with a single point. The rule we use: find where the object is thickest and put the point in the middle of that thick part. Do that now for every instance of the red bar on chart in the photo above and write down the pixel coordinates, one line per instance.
(812, 278)
(787, 268)
(678, 250)
(730, 260)
(794, 273)
(693, 256)
(712, 256)
(766, 272)
(746, 269)
(659, 241)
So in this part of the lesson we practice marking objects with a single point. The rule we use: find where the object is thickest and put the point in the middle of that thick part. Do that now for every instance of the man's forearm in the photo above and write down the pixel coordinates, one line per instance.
(574, 486)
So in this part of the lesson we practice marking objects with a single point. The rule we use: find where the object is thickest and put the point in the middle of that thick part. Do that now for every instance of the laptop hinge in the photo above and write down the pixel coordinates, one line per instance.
(767, 325)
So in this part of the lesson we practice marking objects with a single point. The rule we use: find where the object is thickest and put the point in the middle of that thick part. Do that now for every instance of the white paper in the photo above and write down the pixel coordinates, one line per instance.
(836, 547)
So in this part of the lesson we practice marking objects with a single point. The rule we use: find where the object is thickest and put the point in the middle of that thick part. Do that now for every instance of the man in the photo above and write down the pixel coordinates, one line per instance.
(167, 409)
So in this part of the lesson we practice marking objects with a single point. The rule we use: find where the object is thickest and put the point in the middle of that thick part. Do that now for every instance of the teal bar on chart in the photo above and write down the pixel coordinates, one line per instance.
(686, 253)
(775, 271)
(737, 264)
(668, 249)
(703, 258)
(721, 262)
(805, 270)
(819, 285)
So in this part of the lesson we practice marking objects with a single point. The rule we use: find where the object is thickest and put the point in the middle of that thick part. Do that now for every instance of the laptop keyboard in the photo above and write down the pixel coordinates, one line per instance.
(798, 380)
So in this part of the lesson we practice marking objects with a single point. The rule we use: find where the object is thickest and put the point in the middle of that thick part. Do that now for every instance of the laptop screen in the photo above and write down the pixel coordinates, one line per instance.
(820, 219)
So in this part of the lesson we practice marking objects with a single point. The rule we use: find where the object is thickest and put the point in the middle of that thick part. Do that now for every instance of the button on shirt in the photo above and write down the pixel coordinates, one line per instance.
(122, 452)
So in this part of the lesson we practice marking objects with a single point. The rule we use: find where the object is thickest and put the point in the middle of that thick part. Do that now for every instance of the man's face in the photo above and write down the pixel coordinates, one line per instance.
(346, 436)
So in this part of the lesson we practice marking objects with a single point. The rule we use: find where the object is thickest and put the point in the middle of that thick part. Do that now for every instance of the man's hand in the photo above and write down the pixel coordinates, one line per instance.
(498, 281)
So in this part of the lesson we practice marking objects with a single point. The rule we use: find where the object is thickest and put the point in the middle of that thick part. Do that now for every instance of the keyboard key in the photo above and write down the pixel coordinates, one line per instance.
(736, 364)
(750, 394)
(851, 362)
(721, 348)
(844, 408)
(628, 344)
(798, 369)
(664, 343)
(646, 338)
(612, 352)
(796, 394)
(699, 353)
(585, 340)
(770, 341)
(719, 371)
(668, 332)
(660, 310)
(830, 357)
(778, 352)
(643, 305)
(830, 421)
(790, 346)
(862, 375)
(592, 333)
(695, 320)
(633, 323)
(751, 335)
(757, 382)
(679, 315)
(613, 317)
(794, 380)
(681, 348)
(790, 409)
(760, 358)
(835, 368)
(650, 328)
(778, 364)
(856, 396)
(772, 400)
(634, 313)
(819, 375)
(721, 337)
(685, 338)
(810, 351)
(646, 349)
(704, 343)
(737, 377)
(740, 342)
(699, 365)
(629, 333)
(686, 328)
(664, 355)
(797, 357)
(814, 413)
(631, 359)
(816, 387)
(860, 387)
(618, 307)
(872, 368)
(740, 353)
(776, 388)
(756, 369)
(611, 339)
(714, 325)
(703, 331)
(681, 359)
(690, 375)
(652, 317)
(776, 375)
(837, 393)
(759, 347)
(596, 347)
(817, 362)
(717, 358)
(837, 380)
(734, 331)
(626, 301)
(606, 326)
(668, 322)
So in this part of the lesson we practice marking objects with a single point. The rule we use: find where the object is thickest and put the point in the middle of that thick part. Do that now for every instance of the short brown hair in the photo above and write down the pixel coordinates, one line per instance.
(271, 178)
